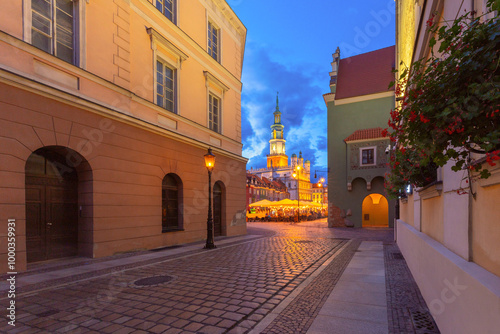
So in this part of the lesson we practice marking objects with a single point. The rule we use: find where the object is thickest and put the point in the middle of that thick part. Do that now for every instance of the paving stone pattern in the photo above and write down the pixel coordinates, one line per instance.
(300, 314)
(406, 308)
(223, 290)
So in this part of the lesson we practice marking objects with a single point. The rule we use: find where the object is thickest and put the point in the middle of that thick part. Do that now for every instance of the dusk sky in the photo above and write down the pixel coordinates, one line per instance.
(289, 49)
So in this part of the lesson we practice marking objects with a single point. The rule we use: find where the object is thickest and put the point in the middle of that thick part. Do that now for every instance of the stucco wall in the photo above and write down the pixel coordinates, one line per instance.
(432, 218)
(486, 228)
(128, 164)
(463, 297)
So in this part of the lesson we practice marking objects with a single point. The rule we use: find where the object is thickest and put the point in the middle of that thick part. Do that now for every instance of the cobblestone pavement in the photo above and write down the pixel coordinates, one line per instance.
(225, 290)
(406, 308)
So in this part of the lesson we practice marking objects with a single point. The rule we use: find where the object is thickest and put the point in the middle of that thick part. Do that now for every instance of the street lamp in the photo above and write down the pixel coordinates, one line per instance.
(210, 164)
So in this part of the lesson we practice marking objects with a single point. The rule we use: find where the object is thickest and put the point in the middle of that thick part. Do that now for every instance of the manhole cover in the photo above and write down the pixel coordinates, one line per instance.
(423, 322)
(153, 280)
(303, 242)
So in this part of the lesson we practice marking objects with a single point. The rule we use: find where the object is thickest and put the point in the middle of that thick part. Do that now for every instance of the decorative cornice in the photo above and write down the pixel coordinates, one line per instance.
(430, 191)
(362, 98)
(329, 97)
(209, 77)
(156, 36)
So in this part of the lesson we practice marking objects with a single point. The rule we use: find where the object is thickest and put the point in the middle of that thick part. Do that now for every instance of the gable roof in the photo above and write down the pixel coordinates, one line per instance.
(367, 73)
(365, 134)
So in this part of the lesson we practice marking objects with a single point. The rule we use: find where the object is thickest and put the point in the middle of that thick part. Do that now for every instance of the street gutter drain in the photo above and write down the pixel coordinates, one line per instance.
(153, 280)
(303, 242)
(423, 322)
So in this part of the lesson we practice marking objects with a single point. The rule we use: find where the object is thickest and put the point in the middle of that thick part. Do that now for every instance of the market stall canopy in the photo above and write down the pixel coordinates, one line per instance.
(264, 203)
(284, 202)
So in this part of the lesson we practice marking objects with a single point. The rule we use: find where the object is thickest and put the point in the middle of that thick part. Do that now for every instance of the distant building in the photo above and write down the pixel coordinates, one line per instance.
(261, 188)
(320, 193)
(278, 167)
(107, 108)
(359, 105)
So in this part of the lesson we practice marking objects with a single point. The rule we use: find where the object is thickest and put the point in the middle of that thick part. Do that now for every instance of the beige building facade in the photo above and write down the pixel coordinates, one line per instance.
(106, 109)
(448, 236)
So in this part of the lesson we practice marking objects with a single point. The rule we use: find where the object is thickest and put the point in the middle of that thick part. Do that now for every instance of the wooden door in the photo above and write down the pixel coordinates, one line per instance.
(217, 209)
(51, 210)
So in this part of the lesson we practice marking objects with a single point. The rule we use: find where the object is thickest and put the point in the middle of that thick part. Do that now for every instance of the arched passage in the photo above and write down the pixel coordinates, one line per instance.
(219, 208)
(375, 211)
(58, 183)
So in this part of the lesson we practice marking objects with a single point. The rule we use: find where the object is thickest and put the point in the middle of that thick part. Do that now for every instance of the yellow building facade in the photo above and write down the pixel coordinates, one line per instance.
(115, 102)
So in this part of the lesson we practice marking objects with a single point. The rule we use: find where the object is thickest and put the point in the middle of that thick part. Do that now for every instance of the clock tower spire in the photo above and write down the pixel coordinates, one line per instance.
(277, 157)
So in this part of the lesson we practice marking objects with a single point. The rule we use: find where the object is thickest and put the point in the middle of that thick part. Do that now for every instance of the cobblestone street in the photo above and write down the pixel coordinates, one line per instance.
(190, 290)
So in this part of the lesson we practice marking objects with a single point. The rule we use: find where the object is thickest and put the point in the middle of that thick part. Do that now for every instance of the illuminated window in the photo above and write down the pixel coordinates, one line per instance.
(52, 28)
(166, 86)
(167, 7)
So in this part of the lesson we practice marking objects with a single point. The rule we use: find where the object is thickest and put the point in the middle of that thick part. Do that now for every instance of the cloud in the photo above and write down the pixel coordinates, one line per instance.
(300, 101)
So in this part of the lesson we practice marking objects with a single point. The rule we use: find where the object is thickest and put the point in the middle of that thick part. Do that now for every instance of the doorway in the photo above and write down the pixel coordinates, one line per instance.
(375, 211)
(51, 206)
(218, 208)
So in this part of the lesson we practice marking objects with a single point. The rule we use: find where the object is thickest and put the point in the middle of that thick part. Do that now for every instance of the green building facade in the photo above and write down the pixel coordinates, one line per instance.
(359, 105)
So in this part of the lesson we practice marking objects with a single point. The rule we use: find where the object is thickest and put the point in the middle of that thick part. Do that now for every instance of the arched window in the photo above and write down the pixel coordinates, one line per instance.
(171, 217)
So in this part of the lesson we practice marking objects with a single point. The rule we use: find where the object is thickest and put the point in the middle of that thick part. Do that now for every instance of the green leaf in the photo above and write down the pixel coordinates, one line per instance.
(432, 42)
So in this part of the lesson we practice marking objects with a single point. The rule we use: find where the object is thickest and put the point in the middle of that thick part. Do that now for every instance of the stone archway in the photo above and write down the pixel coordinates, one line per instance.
(375, 211)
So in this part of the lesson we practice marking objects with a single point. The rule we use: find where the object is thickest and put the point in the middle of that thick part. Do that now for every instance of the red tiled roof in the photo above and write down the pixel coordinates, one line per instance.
(366, 134)
(367, 73)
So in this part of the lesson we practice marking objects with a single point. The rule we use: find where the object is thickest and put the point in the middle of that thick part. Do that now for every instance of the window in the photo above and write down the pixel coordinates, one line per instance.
(167, 7)
(368, 156)
(170, 200)
(166, 86)
(214, 113)
(213, 41)
(53, 26)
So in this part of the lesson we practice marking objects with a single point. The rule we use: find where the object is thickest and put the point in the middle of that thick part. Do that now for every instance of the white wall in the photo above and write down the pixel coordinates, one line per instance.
(462, 296)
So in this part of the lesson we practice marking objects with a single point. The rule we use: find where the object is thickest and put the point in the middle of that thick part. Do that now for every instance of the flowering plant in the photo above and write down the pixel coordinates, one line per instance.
(450, 103)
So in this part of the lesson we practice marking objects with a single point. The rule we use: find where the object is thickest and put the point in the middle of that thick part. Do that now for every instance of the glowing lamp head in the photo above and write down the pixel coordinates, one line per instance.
(209, 160)
(294, 175)
(319, 184)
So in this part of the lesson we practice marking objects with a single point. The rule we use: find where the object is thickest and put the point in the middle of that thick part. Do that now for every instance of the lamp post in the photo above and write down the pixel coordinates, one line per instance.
(210, 164)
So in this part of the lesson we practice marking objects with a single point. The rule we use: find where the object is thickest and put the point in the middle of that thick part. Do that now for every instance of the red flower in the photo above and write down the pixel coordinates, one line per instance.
(423, 119)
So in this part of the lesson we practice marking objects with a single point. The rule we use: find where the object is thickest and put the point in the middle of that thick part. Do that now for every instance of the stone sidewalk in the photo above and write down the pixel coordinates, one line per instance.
(280, 278)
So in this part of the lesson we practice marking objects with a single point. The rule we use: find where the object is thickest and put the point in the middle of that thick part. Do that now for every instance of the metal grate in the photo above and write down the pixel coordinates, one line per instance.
(303, 242)
(153, 280)
(423, 322)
